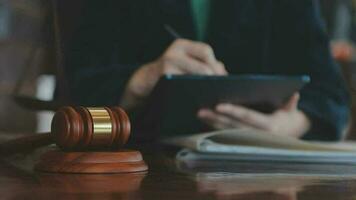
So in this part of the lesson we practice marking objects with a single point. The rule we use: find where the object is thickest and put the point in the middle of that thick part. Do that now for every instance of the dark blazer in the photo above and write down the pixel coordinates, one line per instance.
(249, 36)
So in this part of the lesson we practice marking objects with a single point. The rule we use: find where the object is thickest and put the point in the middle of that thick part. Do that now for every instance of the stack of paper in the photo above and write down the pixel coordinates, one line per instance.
(255, 145)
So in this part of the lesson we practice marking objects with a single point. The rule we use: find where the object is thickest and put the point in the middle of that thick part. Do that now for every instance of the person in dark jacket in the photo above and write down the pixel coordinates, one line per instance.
(121, 49)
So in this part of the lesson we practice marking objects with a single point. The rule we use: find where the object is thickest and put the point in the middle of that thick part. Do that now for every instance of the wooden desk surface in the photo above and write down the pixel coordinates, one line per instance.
(170, 180)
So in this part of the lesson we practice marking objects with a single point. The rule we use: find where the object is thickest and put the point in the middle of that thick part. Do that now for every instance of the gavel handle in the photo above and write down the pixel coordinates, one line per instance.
(25, 144)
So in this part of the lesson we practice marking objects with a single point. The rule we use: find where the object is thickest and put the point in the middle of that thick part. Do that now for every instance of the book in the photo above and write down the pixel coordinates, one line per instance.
(257, 145)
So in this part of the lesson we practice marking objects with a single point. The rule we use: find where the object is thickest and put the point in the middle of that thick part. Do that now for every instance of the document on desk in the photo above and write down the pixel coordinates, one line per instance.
(256, 145)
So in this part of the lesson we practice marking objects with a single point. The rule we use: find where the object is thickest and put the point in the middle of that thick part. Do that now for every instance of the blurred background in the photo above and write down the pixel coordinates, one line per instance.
(23, 51)
(33, 33)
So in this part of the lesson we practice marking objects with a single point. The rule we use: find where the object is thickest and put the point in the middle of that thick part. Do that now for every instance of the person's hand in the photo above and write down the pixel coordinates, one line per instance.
(182, 57)
(285, 121)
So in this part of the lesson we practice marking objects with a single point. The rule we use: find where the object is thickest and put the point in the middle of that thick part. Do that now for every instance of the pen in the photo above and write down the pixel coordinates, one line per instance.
(172, 32)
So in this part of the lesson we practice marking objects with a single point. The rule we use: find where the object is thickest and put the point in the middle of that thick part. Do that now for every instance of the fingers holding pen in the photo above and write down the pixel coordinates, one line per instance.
(205, 53)
(192, 58)
(178, 63)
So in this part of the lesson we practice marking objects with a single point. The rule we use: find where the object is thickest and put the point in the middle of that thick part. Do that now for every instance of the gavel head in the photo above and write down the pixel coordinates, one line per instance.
(80, 128)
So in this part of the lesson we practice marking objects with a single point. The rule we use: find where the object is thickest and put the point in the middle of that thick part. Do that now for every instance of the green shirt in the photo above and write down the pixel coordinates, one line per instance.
(201, 14)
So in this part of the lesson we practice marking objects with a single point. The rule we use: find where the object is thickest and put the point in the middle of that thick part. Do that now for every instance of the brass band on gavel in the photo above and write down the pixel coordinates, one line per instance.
(102, 126)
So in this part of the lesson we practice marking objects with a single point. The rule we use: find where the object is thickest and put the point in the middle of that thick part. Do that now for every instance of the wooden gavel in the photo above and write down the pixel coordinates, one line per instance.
(90, 128)
(78, 129)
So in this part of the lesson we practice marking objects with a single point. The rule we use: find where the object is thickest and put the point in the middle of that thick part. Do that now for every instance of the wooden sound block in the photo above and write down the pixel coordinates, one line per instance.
(123, 161)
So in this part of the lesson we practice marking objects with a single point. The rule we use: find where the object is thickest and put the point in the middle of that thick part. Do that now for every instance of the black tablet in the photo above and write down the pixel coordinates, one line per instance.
(173, 105)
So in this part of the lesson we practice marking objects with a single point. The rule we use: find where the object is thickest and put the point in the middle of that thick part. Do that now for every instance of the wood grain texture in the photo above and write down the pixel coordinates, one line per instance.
(25, 144)
(124, 161)
(94, 183)
(198, 181)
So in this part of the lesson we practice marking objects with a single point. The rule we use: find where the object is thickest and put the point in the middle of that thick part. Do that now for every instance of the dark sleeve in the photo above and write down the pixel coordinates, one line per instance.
(98, 59)
(325, 100)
